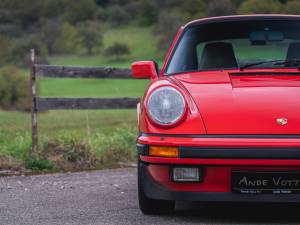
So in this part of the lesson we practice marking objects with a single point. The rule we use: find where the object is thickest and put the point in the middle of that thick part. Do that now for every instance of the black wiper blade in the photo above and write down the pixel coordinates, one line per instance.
(291, 62)
(258, 63)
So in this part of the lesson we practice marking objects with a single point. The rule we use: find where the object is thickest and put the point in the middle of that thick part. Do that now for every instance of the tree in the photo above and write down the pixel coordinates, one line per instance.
(293, 7)
(90, 36)
(148, 12)
(117, 50)
(117, 16)
(81, 10)
(166, 28)
(220, 8)
(194, 9)
(258, 6)
(69, 40)
(6, 45)
(20, 51)
(50, 35)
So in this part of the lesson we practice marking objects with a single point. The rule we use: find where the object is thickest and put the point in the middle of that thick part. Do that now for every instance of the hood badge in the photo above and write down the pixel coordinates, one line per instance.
(282, 121)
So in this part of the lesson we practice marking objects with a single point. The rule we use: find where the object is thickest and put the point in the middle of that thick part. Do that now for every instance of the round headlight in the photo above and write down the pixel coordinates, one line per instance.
(166, 106)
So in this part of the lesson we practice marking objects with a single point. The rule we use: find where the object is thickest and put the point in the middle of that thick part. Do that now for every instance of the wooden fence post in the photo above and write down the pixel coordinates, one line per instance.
(34, 132)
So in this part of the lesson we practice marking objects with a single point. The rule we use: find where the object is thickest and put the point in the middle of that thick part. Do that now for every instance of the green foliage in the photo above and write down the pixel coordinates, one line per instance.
(193, 9)
(148, 12)
(117, 50)
(117, 16)
(80, 10)
(6, 45)
(50, 35)
(68, 41)
(14, 90)
(166, 29)
(220, 8)
(258, 6)
(90, 36)
(19, 52)
(293, 7)
(37, 164)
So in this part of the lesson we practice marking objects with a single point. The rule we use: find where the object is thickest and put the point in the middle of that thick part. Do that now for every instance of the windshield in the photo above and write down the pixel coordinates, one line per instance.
(229, 45)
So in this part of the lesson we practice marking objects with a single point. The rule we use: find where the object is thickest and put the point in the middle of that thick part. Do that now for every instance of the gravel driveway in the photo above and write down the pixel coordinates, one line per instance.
(109, 197)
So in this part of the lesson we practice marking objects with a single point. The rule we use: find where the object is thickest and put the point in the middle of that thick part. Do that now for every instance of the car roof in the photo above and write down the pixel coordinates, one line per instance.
(243, 18)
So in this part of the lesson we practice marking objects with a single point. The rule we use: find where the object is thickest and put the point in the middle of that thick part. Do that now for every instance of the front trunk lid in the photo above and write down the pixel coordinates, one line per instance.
(249, 103)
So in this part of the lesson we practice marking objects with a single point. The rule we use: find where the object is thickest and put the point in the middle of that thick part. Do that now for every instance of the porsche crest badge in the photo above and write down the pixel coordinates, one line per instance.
(282, 121)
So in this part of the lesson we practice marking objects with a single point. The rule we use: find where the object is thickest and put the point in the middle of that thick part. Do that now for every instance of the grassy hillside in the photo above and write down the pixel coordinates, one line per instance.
(141, 42)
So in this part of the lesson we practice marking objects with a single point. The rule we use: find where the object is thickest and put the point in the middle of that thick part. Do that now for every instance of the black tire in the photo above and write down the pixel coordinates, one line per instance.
(151, 206)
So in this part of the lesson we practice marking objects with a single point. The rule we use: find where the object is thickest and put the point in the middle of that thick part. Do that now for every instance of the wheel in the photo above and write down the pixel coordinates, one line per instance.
(151, 206)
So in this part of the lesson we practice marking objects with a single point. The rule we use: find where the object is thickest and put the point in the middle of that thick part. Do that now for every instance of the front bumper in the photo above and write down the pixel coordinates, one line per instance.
(217, 157)
(155, 190)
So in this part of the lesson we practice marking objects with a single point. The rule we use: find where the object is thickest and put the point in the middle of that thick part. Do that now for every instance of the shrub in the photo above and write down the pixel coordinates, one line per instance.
(14, 90)
(117, 51)
(37, 164)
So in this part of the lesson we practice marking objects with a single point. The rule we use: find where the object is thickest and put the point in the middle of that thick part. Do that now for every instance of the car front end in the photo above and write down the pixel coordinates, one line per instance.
(220, 123)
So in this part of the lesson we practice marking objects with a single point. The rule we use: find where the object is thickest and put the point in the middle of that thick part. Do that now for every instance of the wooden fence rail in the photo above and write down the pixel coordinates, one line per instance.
(85, 103)
(81, 72)
(42, 104)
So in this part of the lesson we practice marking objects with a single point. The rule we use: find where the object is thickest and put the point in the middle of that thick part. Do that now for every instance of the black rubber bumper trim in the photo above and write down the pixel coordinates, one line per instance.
(156, 191)
(239, 153)
(142, 149)
(251, 136)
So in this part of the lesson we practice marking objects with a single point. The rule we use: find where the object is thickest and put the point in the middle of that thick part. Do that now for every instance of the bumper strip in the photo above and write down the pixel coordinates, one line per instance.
(156, 191)
(239, 153)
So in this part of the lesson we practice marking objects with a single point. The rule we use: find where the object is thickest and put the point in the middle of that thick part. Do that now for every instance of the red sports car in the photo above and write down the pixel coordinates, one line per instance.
(221, 121)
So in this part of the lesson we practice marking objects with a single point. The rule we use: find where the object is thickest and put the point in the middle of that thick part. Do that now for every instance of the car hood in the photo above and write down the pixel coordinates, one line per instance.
(245, 103)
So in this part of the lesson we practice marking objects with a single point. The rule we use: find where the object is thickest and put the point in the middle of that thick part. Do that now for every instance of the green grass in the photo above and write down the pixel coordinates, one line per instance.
(92, 87)
(96, 133)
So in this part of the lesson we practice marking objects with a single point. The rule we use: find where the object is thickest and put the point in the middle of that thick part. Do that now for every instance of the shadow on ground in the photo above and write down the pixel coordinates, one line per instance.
(237, 213)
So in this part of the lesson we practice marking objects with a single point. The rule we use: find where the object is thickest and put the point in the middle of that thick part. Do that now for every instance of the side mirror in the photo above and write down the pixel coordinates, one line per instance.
(144, 69)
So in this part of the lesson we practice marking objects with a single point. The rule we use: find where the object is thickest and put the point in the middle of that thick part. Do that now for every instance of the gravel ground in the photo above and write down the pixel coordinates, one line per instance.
(109, 197)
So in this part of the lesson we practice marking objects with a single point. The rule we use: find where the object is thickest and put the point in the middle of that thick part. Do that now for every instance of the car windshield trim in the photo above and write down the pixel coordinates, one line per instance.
(195, 24)
(236, 69)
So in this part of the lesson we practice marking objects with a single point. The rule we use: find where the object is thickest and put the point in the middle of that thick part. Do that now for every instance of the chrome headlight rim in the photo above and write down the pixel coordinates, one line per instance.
(165, 125)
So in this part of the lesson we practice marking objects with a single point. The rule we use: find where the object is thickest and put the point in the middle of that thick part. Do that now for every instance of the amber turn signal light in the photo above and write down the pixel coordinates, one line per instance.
(163, 151)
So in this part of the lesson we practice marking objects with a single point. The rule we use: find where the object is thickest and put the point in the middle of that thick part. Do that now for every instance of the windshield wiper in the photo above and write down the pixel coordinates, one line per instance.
(291, 62)
(259, 63)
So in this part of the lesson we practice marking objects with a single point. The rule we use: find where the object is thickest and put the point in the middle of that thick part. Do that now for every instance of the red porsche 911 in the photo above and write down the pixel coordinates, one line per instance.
(221, 121)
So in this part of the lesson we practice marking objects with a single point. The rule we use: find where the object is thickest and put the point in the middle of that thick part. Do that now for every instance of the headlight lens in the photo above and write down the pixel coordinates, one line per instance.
(166, 106)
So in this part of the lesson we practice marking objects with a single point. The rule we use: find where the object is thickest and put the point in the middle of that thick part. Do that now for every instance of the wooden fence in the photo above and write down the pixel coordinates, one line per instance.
(42, 104)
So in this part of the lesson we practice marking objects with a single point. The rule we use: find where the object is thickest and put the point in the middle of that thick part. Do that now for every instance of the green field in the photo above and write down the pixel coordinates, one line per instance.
(107, 136)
